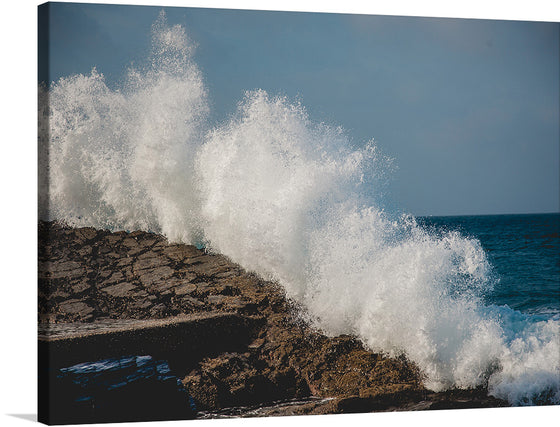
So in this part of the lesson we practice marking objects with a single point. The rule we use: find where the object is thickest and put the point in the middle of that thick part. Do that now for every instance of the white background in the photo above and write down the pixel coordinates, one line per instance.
(18, 240)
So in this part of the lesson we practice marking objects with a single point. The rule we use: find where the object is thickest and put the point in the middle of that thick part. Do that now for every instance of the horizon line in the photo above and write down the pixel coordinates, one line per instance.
(490, 214)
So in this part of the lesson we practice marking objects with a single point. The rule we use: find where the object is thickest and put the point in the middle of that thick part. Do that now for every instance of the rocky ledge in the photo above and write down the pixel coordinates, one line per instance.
(88, 275)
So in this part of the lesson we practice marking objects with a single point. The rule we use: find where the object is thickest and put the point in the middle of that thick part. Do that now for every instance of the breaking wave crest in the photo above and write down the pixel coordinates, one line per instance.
(290, 200)
(124, 158)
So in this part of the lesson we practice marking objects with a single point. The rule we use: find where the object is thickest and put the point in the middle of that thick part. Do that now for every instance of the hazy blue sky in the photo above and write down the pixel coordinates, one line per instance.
(469, 109)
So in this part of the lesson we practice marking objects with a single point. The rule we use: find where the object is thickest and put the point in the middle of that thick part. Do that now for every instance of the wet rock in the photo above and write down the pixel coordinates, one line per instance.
(119, 291)
(216, 300)
(85, 251)
(204, 288)
(67, 269)
(148, 261)
(192, 303)
(76, 309)
(181, 253)
(161, 310)
(58, 295)
(140, 306)
(115, 277)
(152, 276)
(80, 286)
(234, 379)
(113, 239)
(87, 274)
(130, 242)
(82, 235)
(186, 288)
(125, 261)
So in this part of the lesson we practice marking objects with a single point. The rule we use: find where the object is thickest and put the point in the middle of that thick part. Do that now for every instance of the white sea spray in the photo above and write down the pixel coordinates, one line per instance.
(124, 158)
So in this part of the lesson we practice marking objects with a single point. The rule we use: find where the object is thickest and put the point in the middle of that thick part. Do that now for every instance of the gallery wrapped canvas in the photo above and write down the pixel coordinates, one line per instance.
(221, 236)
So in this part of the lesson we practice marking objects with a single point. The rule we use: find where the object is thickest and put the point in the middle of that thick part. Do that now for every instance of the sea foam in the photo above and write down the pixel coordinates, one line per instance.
(290, 200)
(124, 158)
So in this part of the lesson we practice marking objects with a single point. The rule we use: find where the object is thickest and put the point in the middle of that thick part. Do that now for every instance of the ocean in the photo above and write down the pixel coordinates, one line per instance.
(524, 251)
(127, 389)
(472, 301)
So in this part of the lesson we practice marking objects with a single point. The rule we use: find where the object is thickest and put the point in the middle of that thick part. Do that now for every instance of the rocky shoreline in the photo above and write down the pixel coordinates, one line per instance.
(89, 276)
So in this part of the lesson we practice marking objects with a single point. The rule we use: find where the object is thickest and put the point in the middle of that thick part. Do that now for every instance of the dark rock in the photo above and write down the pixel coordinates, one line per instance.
(87, 274)
(67, 269)
(155, 275)
(186, 288)
(119, 291)
(80, 286)
(181, 253)
(75, 309)
(236, 380)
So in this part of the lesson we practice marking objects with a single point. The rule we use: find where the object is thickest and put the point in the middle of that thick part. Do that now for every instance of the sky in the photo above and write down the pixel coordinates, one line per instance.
(468, 109)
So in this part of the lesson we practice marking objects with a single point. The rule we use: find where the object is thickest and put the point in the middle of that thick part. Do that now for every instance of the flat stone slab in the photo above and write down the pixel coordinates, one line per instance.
(181, 340)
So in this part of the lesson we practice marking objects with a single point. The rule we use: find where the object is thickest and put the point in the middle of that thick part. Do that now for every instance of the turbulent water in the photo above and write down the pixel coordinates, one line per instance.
(288, 199)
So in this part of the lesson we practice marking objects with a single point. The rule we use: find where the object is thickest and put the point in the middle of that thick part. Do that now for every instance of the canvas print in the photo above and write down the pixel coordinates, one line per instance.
(250, 213)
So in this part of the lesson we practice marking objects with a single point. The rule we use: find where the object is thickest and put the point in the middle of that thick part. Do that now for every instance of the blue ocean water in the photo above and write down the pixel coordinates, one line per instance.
(130, 388)
(524, 251)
